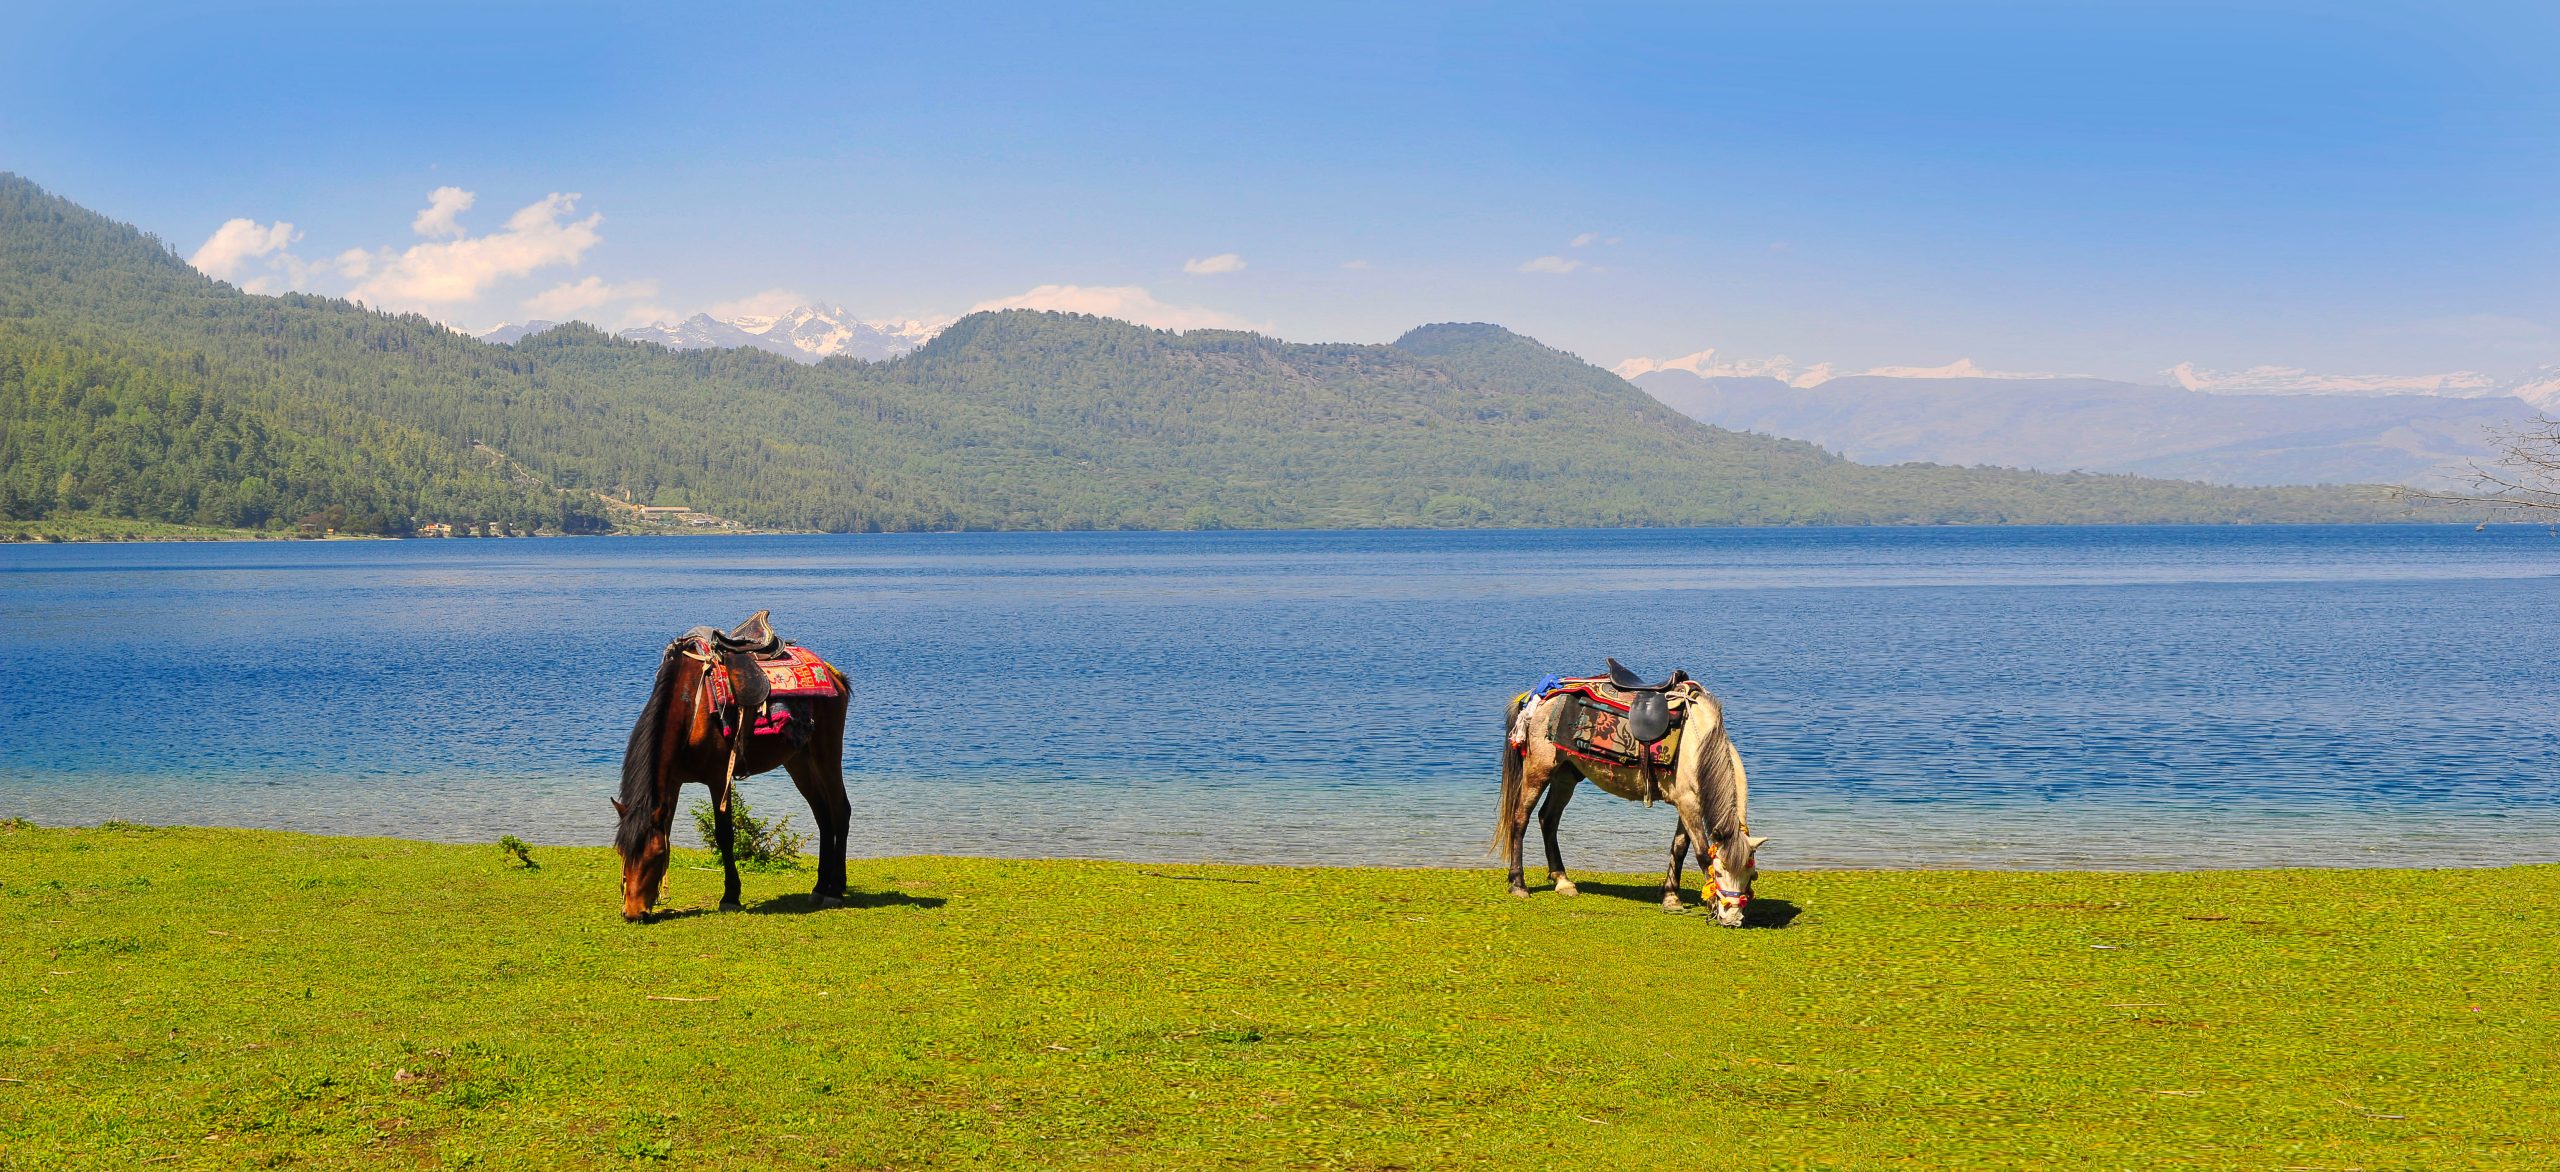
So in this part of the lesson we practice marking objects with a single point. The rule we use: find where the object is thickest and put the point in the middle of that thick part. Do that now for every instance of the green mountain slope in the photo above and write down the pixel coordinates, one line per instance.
(132, 386)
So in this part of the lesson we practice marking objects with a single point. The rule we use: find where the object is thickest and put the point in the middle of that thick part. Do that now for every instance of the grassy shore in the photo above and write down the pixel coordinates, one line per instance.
(214, 998)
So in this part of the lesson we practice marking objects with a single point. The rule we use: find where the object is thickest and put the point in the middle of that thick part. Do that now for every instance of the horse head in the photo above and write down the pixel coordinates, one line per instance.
(644, 864)
(1731, 868)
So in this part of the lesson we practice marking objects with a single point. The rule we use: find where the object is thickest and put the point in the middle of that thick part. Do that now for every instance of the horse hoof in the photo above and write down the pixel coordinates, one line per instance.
(1673, 906)
(1566, 887)
(731, 905)
(825, 901)
(1518, 892)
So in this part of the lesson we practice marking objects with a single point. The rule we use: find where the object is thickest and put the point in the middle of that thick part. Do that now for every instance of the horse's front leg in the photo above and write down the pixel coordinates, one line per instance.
(1671, 878)
(1550, 815)
(723, 829)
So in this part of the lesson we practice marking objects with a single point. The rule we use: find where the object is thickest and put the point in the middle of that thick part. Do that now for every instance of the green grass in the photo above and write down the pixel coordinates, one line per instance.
(213, 998)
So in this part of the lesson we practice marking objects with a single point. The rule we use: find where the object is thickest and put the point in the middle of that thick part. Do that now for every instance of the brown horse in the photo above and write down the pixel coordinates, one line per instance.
(1706, 786)
(679, 739)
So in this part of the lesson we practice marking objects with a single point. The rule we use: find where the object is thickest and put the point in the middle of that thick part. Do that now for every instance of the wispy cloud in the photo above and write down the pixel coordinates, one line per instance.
(1210, 266)
(1125, 302)
(1584, 240)
(1355, 264)
(572, 298)
(1553, 264)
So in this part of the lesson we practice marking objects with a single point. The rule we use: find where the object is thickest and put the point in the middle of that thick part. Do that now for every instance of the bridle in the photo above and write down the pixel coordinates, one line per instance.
(1716, 871)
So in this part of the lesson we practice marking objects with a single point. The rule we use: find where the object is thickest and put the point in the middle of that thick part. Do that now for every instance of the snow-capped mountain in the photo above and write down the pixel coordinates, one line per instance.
(507, 333)
(805, 334)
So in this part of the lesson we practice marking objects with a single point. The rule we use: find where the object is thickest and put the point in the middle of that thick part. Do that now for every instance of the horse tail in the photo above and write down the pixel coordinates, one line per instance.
(1514, 766)
(643, 759)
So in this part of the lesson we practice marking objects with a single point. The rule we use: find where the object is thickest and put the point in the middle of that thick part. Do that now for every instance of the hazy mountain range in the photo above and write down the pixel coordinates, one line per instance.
(805, 334)
(2100, 425)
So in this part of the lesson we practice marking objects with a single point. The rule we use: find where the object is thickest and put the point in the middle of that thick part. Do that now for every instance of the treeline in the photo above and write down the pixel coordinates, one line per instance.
(135, 387)
(88, 436)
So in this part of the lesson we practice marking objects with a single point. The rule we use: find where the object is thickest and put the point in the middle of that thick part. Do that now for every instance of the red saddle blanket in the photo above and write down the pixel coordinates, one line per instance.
(1594, 726)
(798, 673)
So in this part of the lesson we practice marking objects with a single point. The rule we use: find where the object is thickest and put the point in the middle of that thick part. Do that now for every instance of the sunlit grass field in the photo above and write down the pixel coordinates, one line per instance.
(216, 998)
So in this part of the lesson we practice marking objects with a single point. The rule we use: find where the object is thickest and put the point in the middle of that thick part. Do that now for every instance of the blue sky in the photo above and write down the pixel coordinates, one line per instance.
(2115, 189)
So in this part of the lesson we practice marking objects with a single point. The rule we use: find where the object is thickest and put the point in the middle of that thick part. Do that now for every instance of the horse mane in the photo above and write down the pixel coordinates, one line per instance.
(643, 758)
(1725, 792)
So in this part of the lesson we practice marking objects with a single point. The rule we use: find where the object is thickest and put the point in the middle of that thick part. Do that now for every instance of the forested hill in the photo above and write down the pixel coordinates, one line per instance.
(132, 386)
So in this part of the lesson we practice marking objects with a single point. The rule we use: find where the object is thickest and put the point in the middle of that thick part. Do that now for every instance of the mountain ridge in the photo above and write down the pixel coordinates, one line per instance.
(1013, 420)
(2101, 425)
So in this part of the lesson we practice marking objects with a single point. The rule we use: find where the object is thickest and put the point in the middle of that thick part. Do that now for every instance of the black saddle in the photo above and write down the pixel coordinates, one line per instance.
(1649, 710)
(1627, 680)
(754, 637)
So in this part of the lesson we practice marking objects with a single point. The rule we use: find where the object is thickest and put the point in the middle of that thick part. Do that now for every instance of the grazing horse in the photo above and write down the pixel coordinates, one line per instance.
(1706, 785)
(684, 735)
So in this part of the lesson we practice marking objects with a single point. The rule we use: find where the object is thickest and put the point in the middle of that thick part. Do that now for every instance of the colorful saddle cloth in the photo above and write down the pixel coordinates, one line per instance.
(797, 672)
(1589, 716)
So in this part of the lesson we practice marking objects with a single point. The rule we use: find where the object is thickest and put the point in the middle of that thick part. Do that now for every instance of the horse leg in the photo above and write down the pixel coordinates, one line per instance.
(721, 829)
(1671, 878)
(1533, 782)
(823, 788)
(1549, 815)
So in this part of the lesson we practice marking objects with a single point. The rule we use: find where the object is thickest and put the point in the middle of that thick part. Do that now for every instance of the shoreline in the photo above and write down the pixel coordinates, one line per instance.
(24, 537)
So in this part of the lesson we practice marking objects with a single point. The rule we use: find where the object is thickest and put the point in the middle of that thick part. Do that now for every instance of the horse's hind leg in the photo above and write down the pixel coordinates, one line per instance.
(1549, 815)
(1533, 781)
(1671, 878)
(722, 828)
(823, 787)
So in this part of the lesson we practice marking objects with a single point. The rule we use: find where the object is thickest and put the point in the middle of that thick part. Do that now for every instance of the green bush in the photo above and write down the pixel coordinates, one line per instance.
(759, 844)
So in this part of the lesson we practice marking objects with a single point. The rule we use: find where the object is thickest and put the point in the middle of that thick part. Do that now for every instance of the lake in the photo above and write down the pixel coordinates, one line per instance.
(2038, 697)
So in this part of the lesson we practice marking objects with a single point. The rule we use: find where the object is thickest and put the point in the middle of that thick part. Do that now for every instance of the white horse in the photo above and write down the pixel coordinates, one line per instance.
(1706, 786)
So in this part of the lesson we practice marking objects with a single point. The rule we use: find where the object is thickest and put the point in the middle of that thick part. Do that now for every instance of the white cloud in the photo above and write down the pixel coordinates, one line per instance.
(233, 245)
(1210, 266)
(1355, 264)
(440, 219)
(1585, 240)
(1126, 302)
(450, 272)
(1552, 264)
(569, 299)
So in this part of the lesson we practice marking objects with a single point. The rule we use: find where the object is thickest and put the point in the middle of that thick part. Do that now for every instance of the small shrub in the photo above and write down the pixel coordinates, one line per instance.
(14, 825)
(515, 849)
(118, 824)
(759, 844)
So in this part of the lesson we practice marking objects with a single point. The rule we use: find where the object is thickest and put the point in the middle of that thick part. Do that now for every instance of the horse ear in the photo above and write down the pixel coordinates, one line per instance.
(1755, 840)
(619, 808)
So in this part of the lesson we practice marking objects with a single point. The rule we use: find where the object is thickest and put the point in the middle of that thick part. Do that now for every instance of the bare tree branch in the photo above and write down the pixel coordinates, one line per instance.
(2524, 478)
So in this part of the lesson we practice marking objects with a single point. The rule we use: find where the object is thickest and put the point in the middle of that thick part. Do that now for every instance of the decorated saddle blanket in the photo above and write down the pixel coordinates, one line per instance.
(1586, 716)
(796, 672)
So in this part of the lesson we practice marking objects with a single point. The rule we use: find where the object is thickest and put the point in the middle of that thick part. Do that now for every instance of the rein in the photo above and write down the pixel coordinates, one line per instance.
(738, 724)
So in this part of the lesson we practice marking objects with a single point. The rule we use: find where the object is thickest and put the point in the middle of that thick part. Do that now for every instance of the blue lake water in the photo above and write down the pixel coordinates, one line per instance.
(2140, 697)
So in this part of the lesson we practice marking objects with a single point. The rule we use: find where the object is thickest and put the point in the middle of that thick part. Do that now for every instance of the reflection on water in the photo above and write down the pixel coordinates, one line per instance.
(2040, 697)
